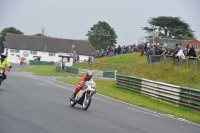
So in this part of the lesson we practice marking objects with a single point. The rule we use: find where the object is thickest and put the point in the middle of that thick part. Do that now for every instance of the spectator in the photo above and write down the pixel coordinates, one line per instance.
(151, 54)
(180, 54)
(119, 49)
(175, 51)
(158, 53)
(90, 61)
(77, 57)
(191, 51)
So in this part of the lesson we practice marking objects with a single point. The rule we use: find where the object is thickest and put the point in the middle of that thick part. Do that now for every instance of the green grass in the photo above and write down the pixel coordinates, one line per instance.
(109, 89)
(133, 64)
(43, 70)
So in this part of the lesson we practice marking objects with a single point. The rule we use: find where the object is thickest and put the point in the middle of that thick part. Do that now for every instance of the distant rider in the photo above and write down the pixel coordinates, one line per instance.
(87, 77)
(4, 63)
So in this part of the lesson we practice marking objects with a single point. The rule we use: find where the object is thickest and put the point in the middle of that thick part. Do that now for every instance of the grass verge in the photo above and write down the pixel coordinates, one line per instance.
(43, 70)
(109, 89)
(132, 64)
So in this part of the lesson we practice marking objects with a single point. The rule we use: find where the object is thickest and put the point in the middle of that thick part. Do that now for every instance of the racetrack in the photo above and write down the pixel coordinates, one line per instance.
(37, 104)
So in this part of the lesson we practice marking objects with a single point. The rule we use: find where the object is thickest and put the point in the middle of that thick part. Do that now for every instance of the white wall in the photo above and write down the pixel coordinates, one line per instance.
(12, 57)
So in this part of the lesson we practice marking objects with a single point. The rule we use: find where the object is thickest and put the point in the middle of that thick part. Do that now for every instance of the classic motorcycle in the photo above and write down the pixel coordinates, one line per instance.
(84, 96)
(2, 71)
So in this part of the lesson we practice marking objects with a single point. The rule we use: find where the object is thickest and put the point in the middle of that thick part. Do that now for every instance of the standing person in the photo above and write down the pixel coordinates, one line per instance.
(4, 63)
(77, 58)
(180, 54)
(191, 51)
(87, 77)
(90, 61)
(151, 54)
(119, 49)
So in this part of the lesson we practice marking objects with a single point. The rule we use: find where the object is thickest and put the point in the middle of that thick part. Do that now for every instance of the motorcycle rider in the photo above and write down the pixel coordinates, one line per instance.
(4, 63)
(87, 77)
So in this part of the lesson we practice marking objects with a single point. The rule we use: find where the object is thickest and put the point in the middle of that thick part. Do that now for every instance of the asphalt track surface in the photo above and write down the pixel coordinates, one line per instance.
(37, 104)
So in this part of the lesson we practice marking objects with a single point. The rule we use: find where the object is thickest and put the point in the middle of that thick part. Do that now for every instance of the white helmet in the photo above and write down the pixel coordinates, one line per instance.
(3, 55)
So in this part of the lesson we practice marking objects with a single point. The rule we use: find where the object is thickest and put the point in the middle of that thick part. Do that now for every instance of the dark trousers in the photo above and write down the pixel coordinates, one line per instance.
(4, 76)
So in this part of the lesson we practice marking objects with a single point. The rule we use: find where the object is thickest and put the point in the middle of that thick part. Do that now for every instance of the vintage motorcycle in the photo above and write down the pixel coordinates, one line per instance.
(84, 96)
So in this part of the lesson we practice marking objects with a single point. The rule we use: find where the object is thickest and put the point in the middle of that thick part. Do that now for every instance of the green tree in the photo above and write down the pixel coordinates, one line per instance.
(169, 27)
(101, 35)
(3, 35)
(38, 34)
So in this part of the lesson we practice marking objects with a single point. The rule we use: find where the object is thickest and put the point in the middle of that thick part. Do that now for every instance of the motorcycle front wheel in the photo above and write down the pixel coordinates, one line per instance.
(72, 103)
(86, 103)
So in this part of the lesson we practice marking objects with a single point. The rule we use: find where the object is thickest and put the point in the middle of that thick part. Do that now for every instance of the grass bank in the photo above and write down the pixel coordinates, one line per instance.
(133, 64)
(109, 89)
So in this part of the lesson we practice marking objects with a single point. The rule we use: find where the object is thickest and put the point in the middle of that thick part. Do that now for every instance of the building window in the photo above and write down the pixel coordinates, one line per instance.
(34, 52)
(14, 50)
(195, 46)
(51, 54)
(12, 54)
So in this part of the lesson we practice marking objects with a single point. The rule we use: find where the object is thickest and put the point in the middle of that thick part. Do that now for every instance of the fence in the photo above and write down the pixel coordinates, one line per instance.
(97, 65)
(171, 93)
(96, 73)
(188, 62)
(34, 62)
(58, 68)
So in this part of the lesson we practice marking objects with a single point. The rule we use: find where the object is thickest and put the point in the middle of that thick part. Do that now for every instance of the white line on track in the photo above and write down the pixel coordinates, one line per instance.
(144, 112)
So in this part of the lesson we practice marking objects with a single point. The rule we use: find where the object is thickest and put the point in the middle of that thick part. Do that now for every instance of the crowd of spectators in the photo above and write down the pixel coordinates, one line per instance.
(110, 51)
(155, 51)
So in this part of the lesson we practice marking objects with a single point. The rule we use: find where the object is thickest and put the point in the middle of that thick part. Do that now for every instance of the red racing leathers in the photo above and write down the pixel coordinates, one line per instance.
(80, 84)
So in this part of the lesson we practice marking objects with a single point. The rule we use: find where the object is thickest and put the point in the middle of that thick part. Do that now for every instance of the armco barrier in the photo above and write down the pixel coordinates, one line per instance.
(33, 62)
(58, 69)
(129, 82)
(159, 90)
(96, 73)
(109, 74)
(167, 92)
(71, 69)
(190, 98)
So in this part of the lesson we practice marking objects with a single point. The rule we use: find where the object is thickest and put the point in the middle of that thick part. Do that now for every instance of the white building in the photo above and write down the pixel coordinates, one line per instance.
(45, 48)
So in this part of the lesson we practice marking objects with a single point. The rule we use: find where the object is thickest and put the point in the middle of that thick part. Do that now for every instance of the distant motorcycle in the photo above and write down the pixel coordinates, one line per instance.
(84, 96)
(2, 71)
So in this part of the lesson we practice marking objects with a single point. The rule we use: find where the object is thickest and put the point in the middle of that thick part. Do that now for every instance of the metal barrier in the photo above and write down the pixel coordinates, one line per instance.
(109, 74)
(97, 65)
(188, 62)
(71, 69)
(34, 62)
(96, 73)
(58, 68)
(193, 62)
(128, 82)
(171, 93)
(159, 90)
(190, 98)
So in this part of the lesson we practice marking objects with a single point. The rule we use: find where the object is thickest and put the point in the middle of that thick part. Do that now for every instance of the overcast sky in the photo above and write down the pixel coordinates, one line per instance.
(72, 19)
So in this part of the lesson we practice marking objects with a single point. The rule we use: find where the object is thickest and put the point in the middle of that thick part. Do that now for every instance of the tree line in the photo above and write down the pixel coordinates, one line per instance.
(102, 35)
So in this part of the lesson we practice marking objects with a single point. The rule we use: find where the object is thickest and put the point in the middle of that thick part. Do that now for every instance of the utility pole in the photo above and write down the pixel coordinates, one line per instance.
(153, 34)
(43, 30)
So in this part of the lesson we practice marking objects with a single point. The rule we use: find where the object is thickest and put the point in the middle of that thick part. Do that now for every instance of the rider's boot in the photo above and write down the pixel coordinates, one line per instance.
(73, 96)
